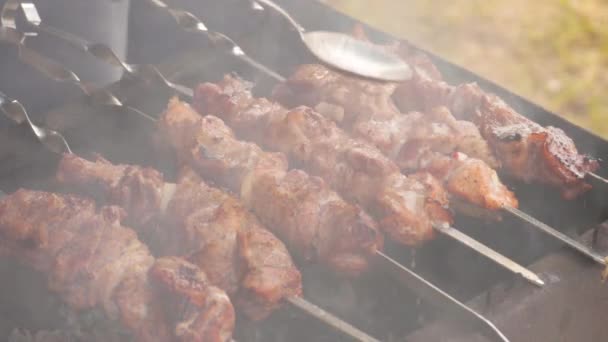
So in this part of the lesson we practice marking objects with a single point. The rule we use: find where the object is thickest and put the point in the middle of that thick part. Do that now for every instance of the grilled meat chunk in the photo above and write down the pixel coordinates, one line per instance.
(93, 261)
(205, 308)
(436, 130)
(355, 169)
(136, 189)
(467, 179)
(379, 121)
(351, 99)
(313, 220)
(208, 225)
(409, 139)
(526, 150)
(232, 245)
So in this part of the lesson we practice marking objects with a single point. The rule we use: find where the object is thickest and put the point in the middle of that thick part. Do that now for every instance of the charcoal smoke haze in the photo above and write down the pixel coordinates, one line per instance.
(374, 303)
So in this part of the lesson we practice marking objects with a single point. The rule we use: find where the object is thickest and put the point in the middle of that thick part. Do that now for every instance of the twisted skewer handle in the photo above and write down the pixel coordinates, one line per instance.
(51, 139)
(190, 23)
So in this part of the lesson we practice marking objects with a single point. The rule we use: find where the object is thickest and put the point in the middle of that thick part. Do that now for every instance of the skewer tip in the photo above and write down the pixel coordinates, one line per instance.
(597, 177)
(491, 254)
(329, 319)
(583, 249)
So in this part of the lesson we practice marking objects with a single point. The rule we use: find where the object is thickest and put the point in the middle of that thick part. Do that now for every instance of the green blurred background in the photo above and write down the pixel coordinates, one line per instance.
(554, 52)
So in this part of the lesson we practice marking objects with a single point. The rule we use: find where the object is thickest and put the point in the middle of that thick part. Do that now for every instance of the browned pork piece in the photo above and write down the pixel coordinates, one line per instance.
(526, 150)
(209, 226)
(406, 207)
(92, 261)
(412, 140)
(313, 221)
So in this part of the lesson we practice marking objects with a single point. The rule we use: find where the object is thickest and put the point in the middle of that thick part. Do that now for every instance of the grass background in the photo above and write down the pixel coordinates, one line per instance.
(554, 52)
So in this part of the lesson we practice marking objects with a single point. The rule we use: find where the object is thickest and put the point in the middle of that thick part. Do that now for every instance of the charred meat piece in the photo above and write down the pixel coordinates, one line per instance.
(211, 227)
(355, 169)
(313, 221)
(409, 139)
(526, 150)
(92, 261)
(136, 189)
(467, 179)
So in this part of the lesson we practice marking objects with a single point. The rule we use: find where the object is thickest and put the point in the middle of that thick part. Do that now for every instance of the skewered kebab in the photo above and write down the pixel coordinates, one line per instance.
(366, 108)
(314, 221)
(414, 141)
(526, 150)
(212, 228)
(296, 202)
(91, 260)
(315, 141)
(376, 175)
(354, 168)
(406, 208)
(216, 232)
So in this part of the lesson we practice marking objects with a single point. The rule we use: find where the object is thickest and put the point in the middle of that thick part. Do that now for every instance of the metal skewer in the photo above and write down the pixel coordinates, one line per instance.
(59, 73)
(490, 254)
(191, 23)
(52, 140)
(101, 51)
(597, 177)
(433, 294)
(586, 251)
(322, 315)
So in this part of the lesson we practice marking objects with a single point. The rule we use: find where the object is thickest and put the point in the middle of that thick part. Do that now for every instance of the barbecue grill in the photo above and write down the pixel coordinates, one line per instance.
(565, 309)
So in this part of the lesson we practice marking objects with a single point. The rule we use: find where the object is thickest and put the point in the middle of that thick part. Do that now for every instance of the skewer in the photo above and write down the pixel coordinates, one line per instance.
(433, 294)
(322, 315)
(190, 22)
(587, 251)
(491, 254)
(56, 143)
(597, 177)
